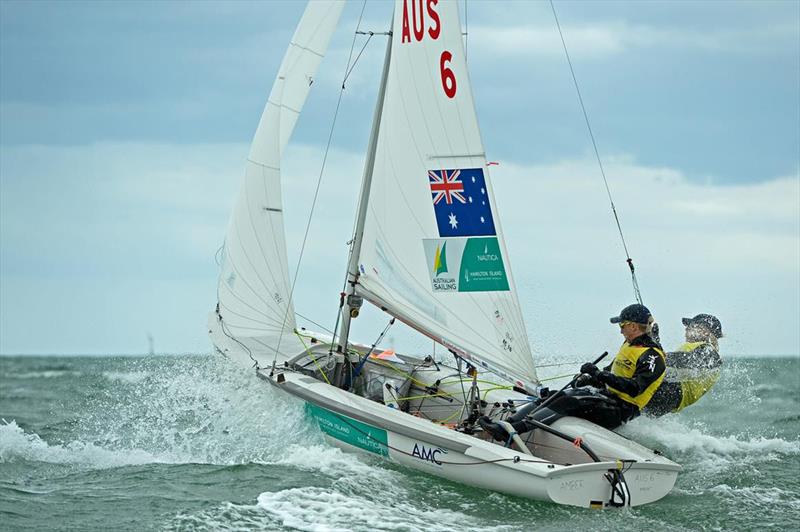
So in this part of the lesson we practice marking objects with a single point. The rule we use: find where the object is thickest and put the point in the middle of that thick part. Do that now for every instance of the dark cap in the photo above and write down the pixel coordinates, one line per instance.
(711, 322)
(636, 313)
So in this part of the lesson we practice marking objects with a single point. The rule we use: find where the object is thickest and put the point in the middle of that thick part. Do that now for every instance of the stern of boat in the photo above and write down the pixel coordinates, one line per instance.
(608, 484)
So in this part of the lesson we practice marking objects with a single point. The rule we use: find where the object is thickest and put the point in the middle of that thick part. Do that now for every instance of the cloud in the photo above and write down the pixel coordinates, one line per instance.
(727, 228)
(115, 209)
(593, 40)
(123, 229)
(730, 250)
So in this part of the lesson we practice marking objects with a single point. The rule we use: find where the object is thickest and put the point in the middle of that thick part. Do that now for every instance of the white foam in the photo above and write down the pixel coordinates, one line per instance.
(16, 444)
(758, 496)
(46, 374)
(316, 509)
(328, 460)
(126, 377)
(676, 436)
(202, 410)
(228, 516)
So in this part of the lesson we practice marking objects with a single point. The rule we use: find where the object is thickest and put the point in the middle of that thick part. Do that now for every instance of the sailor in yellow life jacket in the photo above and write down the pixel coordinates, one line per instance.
(607, 398)
(691, 370)
(638, 369)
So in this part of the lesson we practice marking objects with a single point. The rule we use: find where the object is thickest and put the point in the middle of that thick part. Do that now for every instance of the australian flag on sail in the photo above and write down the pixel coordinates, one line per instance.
(461, 202)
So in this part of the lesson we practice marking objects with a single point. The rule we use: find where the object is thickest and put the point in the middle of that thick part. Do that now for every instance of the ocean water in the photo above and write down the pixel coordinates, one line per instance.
(195, 443)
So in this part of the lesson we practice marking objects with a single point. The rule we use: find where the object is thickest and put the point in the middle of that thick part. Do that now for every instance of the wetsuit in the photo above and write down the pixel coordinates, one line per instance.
(691, 371)
(625, 387)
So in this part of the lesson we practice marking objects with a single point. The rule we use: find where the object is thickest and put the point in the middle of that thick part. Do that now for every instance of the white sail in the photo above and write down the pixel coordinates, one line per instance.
(254, 286)
(433, 252)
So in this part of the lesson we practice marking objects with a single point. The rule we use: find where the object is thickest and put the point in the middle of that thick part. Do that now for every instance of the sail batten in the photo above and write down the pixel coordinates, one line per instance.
(433, 252)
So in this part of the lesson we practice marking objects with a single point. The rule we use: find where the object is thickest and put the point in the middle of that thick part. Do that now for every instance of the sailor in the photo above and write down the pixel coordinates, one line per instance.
(607, 397)
(691, 370)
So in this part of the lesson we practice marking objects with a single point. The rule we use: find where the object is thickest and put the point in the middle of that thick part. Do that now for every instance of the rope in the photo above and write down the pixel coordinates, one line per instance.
(409, 376)
(629, 260)
(486, 392)
(443, 395)
(557, 377)
(224, 328)
(308, 352)
(538, 366)
(316, 190)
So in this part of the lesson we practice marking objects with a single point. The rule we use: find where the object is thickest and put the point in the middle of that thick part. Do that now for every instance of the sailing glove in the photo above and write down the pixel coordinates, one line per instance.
(603, 376)
(589, 369)
(496, 430)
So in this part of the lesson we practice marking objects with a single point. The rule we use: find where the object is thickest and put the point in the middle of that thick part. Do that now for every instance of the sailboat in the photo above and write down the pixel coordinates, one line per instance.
(429, 251)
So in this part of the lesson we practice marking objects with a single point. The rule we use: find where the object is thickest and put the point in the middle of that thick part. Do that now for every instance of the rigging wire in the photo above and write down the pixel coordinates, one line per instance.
(629, 260)
(355, 372)
(319, 183)
(347, 75)
(466, 29)
(313, 322)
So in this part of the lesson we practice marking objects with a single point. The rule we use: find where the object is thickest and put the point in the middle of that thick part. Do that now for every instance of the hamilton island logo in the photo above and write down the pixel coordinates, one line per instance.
(429, 455)
(441, 278)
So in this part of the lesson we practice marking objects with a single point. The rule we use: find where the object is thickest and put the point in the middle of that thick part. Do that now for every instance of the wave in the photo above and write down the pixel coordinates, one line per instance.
(16, 445)
(704, 453)
(347, 493)
(44, 374)
(675, 435)
(201, 410)
(126, 377)
(318, 509)
(758, 496)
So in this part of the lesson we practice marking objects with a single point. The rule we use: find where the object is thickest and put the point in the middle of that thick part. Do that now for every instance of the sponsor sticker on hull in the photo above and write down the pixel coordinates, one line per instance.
(350, 431)
(430, 455)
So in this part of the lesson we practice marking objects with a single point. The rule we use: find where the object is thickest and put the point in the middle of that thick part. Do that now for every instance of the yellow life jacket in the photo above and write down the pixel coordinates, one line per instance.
(624, 365)
(696, 383)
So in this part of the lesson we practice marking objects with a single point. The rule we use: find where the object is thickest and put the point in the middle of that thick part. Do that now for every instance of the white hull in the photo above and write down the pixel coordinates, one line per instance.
(355, 423)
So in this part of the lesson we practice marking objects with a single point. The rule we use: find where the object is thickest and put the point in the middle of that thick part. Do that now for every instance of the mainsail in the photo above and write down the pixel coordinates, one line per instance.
(254, 288)
(432, 252)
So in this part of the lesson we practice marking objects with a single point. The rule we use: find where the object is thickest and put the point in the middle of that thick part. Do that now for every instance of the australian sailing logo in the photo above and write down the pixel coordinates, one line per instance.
(430, 454)
(441, 279)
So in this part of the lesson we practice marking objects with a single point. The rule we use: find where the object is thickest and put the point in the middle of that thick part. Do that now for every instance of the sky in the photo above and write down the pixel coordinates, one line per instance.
(124, 128)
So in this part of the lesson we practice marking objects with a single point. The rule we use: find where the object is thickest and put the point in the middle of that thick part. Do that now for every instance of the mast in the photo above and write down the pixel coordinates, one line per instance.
(352, 303)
